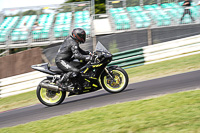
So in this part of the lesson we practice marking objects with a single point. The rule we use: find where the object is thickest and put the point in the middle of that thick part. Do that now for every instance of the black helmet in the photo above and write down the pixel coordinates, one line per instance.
(79, 35)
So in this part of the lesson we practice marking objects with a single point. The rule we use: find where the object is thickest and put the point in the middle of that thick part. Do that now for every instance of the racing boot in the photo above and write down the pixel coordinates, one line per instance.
(63, 82)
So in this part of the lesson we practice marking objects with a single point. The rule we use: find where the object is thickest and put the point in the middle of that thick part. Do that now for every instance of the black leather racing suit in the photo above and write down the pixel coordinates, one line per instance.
(68, 49)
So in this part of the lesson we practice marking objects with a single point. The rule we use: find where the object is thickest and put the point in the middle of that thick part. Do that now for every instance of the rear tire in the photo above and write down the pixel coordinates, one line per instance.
(120, 83)
(48, 97)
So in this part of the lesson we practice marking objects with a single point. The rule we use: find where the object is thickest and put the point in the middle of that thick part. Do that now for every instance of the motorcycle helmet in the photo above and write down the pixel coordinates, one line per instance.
(79, 35)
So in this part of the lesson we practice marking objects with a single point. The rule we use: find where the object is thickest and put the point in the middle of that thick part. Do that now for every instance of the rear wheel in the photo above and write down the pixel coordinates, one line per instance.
(116, 85)
(48, 97)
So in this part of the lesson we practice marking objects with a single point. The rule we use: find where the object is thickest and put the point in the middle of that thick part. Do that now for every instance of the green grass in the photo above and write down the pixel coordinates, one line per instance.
(172, 113)
(17, 101)
(165, 68)
(146, 72)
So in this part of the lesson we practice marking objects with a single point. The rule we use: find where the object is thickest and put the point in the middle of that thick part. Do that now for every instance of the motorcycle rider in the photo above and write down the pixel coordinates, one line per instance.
(70, 49)
(187, 6)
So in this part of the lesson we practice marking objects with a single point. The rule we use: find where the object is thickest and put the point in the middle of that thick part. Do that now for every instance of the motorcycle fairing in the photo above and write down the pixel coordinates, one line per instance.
(44, 67)
(101, 48)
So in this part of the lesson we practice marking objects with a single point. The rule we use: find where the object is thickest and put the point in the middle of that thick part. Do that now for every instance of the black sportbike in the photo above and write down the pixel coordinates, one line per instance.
(93, 76)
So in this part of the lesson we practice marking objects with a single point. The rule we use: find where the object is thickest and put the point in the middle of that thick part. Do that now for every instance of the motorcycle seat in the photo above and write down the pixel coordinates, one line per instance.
(55, 69)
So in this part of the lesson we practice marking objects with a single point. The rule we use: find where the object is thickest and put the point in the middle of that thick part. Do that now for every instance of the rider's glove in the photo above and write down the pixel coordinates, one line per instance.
(90, 53)
(88, 58)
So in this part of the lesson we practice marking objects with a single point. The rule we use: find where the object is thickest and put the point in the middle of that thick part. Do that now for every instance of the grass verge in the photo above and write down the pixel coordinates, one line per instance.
(165, 68)
(146, 72)
(171, 113)
(16, 101)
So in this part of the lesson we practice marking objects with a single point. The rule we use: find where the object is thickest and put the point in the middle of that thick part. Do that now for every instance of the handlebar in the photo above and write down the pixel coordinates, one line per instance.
(88, 63)
(94, 59)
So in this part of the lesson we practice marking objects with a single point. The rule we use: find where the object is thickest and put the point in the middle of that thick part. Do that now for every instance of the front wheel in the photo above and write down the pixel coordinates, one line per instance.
(48, 97)
(116, 84)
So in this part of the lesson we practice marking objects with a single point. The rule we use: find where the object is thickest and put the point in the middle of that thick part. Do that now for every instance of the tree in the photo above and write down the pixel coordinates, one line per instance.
(100, 7)
(29, 12)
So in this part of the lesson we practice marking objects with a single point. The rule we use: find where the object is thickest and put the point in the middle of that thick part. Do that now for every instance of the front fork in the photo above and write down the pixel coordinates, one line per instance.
(110, 74)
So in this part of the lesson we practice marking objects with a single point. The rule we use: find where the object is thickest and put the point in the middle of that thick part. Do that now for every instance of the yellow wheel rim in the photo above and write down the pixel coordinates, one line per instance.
(50, 96)
(119, 81)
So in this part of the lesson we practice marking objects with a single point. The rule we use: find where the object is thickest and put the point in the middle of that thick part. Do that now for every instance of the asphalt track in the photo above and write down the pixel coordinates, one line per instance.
(136, 91)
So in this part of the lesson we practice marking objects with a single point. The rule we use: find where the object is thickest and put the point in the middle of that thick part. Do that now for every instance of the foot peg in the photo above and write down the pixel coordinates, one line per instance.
(69, 88)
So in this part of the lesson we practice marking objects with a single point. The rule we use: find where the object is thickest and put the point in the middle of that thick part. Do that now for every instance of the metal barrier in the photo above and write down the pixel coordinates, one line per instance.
(20, 83)
(130, 57)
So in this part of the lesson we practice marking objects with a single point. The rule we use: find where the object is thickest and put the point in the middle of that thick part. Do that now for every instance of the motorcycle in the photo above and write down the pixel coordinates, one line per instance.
(93, 75)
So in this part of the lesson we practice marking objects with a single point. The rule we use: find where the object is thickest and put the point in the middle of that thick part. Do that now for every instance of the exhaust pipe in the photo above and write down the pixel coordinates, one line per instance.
(50, 87)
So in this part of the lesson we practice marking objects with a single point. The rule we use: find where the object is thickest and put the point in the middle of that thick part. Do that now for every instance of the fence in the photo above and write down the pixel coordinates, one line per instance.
(126, 59)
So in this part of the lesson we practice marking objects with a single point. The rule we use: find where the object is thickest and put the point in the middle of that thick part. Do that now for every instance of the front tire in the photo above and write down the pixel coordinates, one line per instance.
(48, 97)
(121, 80)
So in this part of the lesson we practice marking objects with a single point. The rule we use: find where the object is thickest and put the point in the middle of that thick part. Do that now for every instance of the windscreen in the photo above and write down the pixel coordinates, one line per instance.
(101, 48)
